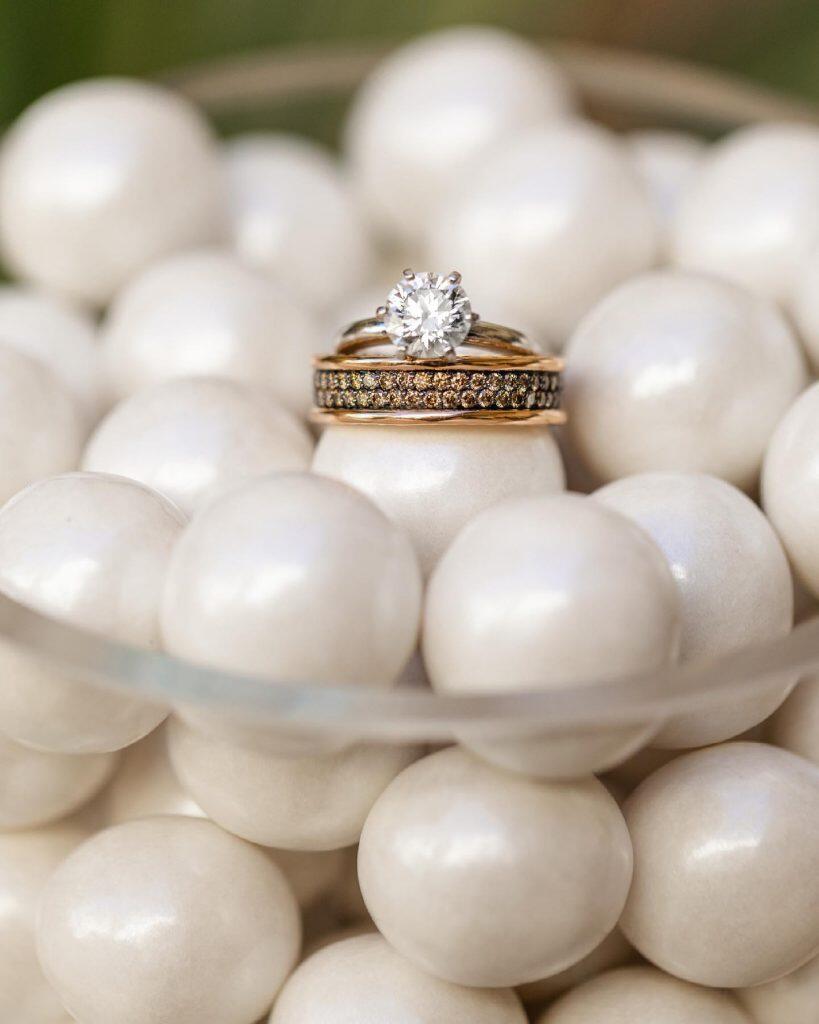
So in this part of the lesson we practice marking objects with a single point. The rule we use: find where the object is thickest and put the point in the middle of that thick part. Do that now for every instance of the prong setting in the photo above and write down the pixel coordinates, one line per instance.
(428, 315)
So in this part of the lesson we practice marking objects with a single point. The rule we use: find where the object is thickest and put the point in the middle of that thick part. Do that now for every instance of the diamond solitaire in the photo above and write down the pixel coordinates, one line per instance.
(427, 315)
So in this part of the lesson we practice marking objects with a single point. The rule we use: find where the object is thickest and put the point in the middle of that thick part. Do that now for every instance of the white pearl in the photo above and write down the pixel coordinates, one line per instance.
(191, 439)
(613, 951)
(292, 215)
(725, 854)
(795, 725)
(666, 161)
(433, 481)
(548, 226)
(169, 919)
(751, 213)
(436, 108)
(27, 861)
(679, 371)
(486, 878)
(296, 578)
(101, 177)
(789, 1000)
(363, 979)
(40, 787)
(636, 994)
(204, 314)
(42, 425)
(317, 802)
(543, 593)
(734, 582)
(790, 485)
(59, 336)
(90, 550)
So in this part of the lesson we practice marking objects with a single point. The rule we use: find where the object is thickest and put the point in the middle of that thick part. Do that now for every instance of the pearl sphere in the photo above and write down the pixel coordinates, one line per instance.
(679, 371)
(27, 861)
(486, 878)
(57, 335)
(205, 314)
(39, 787)
(434, 110)
(42, 427)
(751, 212)
(790, 485)
(548, 226)
(541, 593)
(293, 215)
(92, 551)
(432, 482)
(666, 161)
(101, 177)
(612, 952)
(635, 994)
(734, 583)
(364, 979)
(725, 853)
(789, 1000)
(297, 578)
(170, 919)
(191, 439)
(316, 802)
(795, 725)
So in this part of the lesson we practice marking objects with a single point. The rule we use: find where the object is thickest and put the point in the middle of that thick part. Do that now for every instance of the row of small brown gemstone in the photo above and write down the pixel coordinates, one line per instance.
(484, 398)
(421, 380)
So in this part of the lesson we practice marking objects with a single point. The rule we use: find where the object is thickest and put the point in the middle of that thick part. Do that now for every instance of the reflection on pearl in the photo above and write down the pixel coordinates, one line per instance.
(432, 482)
(205, 314)
(633, 994)
(790, 485)
(679, 371)
(542, 593)
(486, 878)
(434, 110)
(733, 579)
(725, 854)
(751, 212)
(108, 545)
(170, 919)
(363, 979)
(548, 225)
(293, 216)
(101, 177)
(193, 438)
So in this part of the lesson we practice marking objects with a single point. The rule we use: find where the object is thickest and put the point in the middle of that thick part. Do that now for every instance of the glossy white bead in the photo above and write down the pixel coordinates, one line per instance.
(486, 878)
(435, 109)
(679, 371)
(613, 951)
(57, 335)
(40, 787)
(790, 485)
(292, 214)
(101, 177)
(317, 802)
(551, 592)
(734, 583)
(725, 853)
(643, 995)
(546, 227)
(364, 979)
(27, 861)
(205, 314)
(42, 425)
(789, 1000)
(296, 578)
(751, 212)
(91, 550)
(795, 725)
(191, 439)
(433, 482)
(167, 918)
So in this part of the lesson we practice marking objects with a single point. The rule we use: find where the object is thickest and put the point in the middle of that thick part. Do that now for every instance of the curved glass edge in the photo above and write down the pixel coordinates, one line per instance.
(406, 714)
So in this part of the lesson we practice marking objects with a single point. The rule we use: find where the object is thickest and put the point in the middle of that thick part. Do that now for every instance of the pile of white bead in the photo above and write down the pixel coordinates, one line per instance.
(162, 488)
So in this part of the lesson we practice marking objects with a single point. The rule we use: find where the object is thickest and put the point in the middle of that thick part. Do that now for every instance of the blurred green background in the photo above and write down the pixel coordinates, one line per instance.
(44, 43)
